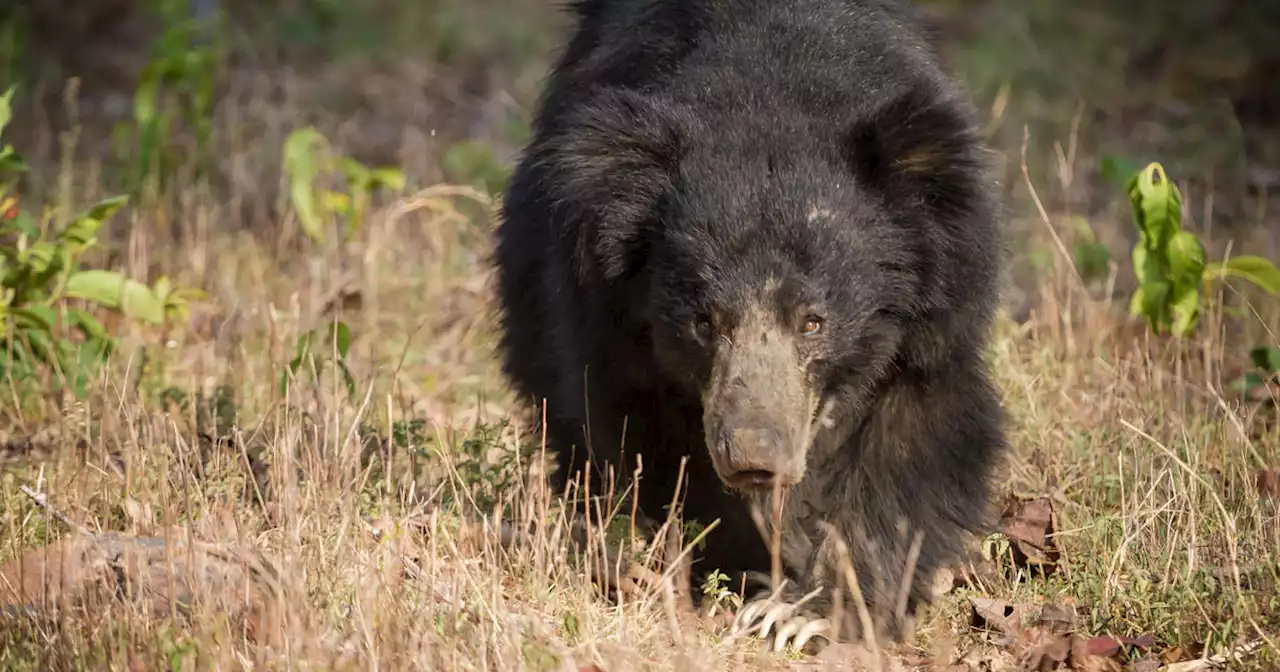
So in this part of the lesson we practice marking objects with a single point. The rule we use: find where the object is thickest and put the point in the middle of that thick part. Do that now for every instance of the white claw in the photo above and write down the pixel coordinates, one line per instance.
(796, 630)
(748, 616)
(777, 612)
(811, 629)
(785, 632)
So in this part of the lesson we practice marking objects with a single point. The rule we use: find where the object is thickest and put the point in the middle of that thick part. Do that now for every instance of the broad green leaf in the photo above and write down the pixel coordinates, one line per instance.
(1186, 309)
(40, 317)
(1140, 258)
(114, 290)
(1155, 296)
(1266, 358)
(39, 257)
(1257, 270)
(40, 346)
(355, 171)
(84, 227)
(342, 334)
(1186, 256)
(1157, 204)
(88, 324)
(100, 287)
(300, 164)
(1137, 301)
(161, 288)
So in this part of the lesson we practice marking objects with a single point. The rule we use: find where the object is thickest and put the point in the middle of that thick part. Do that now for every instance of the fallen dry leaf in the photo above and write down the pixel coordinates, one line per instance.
(1029, 524)
(1006, 618)
(1106, 645)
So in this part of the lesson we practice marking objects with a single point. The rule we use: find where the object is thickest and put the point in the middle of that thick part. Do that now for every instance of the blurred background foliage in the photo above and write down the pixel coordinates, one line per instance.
(1191, 84)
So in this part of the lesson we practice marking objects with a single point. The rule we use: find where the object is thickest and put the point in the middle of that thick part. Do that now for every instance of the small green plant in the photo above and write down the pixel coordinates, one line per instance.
(177, 84)
(1259, 383)
(309, 158)
(41, 280)
(1092, 257)
(314, 348)
(1170, 263)
(716, 587)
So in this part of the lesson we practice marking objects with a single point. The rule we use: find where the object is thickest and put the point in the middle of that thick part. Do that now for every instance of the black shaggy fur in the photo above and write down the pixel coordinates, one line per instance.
(691, 156)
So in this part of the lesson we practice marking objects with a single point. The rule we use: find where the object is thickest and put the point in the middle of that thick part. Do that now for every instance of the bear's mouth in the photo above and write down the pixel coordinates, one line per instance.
(752, 480)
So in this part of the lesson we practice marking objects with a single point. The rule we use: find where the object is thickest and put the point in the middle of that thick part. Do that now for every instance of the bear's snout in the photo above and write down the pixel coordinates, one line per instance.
(754, 457)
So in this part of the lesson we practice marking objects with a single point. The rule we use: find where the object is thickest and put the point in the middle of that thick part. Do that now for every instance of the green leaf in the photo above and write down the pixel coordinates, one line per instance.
(89, 356)
(1266, 358)
(1137, 301)
(6, 107)
(88, 324)
(144, 97)
(1186, 256)
(355, 171)
(348, 379)
(1157, 205)
(1257, 270)
(39, 317)
(1144, 264)
(1092, 259)
(41, 347)
(340, 332)
(389, 178)
(39, 257)
(100, 287)
(162, 287)
(1186, 309)
(113, 290)
(1247, 382)
(300, 164)
(1155, 297)
(11, 161)
(84, 227)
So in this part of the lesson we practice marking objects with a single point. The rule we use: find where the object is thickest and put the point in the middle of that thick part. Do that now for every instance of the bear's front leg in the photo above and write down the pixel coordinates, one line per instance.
(886, 509)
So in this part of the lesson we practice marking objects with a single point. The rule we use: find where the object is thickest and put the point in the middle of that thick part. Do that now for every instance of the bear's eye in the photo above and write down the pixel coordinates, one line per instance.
(702, 327)
(812, 325)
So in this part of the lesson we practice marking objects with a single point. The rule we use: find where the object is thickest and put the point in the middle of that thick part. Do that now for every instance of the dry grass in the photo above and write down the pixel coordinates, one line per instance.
(377, 555)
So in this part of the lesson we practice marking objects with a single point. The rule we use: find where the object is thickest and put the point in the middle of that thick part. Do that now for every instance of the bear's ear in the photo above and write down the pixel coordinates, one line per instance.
(919, 147)
(616, 156)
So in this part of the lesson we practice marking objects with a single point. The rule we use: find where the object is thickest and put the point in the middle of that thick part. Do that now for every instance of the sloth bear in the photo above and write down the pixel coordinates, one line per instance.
(763, 235)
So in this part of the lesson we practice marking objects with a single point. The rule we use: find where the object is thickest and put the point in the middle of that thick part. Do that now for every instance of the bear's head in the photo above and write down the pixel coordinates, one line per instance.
(788, 267)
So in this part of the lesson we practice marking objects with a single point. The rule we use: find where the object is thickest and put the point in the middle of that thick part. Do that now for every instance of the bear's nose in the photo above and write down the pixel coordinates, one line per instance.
(753, 456)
